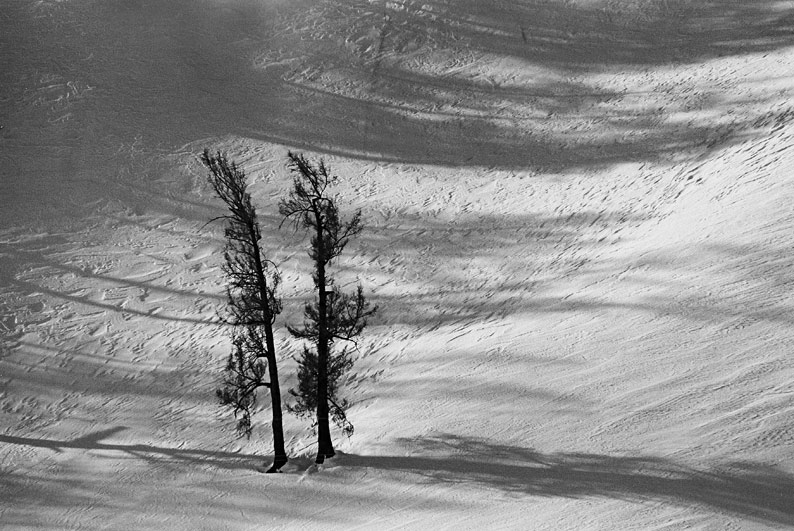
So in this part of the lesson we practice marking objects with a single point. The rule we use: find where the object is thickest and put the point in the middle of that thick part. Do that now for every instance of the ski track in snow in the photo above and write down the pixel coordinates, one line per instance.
(578, 232)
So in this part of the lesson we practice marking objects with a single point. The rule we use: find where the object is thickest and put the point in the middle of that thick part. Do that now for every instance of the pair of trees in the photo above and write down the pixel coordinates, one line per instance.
(253, 303)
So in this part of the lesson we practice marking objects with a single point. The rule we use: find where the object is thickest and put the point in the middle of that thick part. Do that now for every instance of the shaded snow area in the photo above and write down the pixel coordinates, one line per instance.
(579, 232)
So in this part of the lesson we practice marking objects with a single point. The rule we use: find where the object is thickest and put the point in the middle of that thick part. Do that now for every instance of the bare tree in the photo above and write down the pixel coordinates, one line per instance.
(333, 316)
(252, 305)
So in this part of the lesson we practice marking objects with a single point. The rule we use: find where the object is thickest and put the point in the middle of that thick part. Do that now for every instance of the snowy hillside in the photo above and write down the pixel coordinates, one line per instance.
(579, 232)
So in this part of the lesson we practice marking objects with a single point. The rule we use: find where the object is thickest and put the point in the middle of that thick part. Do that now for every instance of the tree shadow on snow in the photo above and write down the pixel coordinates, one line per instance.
(81, 492)
(341, 82)
(35, 255)
(594, 34)
(751, 490)
(96, 441)
(431, 271)
(559, 119)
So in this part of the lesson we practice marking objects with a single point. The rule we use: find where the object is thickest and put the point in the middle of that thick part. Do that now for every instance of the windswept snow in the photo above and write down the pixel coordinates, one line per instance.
(579, 234)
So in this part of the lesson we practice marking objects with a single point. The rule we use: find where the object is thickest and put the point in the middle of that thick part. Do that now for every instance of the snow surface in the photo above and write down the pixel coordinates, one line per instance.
(579, 232)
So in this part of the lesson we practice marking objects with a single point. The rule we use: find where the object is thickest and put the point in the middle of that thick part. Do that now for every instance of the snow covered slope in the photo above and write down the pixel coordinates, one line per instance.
(579, 234)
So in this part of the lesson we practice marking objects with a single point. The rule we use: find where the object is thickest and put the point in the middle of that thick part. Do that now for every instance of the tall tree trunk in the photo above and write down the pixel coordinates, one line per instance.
(279, 453)
(325, 446)
(246, 269)
(328, 318)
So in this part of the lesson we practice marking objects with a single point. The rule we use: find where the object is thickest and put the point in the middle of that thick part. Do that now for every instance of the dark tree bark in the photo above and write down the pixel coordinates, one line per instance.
(333, 315)
(252, 304)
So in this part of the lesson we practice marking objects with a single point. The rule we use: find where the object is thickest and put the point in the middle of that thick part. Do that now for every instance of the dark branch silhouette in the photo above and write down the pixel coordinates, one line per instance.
(333, 315)
(252, 305)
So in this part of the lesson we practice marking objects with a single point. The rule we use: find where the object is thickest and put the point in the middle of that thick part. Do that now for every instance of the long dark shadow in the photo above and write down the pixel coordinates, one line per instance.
(752, 490)
(192, 76)
(95, 441)
(405, 115)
